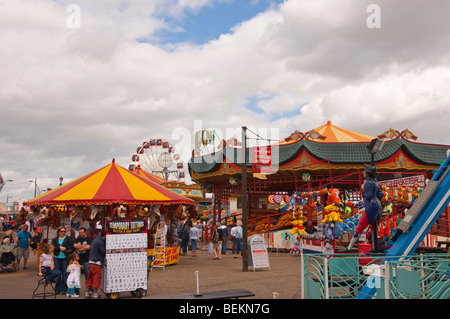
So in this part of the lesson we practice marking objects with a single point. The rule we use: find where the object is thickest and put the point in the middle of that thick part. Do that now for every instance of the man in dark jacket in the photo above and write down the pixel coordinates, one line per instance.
(96, 259)
(83, 245)
(185, 238)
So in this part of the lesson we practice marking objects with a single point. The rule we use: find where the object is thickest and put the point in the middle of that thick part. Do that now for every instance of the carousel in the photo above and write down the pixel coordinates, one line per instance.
(111, 192)
(318, 182)
(193, 191)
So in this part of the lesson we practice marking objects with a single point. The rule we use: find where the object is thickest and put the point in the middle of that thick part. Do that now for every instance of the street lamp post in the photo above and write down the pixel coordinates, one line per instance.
(374, 147)
(3, 184)
(35, 185)
(244, 200)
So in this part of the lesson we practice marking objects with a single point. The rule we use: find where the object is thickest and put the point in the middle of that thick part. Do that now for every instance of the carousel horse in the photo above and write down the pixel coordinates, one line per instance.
(120, 212)
(96, 213)
(132, 211)
(193, 212)
(140, 210)
(179, 212)
(85, 211)
(22, 217)
(54, 219)
(155, 215)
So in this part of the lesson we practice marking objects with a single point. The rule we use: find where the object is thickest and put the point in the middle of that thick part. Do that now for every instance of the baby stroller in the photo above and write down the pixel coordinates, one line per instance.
(8, 263)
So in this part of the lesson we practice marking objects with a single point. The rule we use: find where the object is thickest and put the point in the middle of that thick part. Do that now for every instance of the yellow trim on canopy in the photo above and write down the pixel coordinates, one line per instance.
(86, 189)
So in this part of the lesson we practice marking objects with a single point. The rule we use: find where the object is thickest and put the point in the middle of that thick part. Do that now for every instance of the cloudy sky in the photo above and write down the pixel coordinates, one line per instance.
(82, 81)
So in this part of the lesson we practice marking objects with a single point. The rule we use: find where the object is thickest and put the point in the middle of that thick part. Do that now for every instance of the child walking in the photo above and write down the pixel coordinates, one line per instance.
(73, 280)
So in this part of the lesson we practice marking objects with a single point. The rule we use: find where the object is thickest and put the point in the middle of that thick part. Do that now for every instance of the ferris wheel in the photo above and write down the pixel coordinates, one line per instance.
(159, 157)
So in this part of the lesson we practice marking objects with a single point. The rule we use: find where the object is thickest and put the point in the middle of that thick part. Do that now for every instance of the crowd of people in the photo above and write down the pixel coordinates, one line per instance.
(61, 260)
(64, 258)
(189, 233)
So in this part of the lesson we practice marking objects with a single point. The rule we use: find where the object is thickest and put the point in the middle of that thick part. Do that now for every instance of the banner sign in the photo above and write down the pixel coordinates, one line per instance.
(262, 159)
(259, 258)
(172, 256)
(126, 226)
(405, 181)
(126, 255)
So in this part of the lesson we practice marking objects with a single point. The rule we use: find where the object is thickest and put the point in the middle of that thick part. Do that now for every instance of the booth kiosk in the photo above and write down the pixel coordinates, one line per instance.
(128, 205)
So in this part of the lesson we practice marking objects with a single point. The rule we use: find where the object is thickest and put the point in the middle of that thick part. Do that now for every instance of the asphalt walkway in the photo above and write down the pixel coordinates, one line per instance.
(283, 279)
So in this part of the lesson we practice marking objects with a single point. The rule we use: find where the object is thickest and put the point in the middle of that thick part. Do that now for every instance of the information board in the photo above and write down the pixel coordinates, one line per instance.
(126, 255)
(259, 258)
(408, 181)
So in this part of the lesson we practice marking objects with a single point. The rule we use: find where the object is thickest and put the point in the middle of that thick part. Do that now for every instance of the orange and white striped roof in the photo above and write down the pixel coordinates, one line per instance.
(328, 133)
(336, 134)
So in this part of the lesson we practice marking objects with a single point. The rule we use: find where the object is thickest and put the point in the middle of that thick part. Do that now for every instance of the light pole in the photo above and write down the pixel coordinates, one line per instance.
(244, 200)
(35, 185)
(3, 184)
(374, 147)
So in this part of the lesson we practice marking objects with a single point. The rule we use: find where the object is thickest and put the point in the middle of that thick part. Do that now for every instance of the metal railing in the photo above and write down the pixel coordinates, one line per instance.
(344, 276)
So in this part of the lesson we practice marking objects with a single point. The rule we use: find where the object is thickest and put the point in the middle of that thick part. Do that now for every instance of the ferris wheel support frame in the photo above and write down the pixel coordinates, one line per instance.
(166, 149)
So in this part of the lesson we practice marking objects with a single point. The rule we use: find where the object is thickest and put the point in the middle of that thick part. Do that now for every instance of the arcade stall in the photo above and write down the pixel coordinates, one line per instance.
(318, 181)
(111, 192)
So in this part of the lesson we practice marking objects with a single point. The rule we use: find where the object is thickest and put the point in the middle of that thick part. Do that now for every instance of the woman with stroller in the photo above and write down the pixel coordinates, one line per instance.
(8, 254)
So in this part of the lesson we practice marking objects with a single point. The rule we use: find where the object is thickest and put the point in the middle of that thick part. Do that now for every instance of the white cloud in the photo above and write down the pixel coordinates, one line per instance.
(73, 99)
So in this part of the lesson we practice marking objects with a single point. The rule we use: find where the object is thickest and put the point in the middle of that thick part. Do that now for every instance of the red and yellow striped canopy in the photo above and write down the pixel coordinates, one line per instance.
(109, 185)
(336, 134)
(155, 179)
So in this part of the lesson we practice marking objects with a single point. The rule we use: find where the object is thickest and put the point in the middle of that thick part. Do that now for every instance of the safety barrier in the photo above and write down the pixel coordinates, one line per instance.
(343, 276)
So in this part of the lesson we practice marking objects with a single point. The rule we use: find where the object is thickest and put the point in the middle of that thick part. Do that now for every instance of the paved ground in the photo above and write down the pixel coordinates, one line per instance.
(283, 278)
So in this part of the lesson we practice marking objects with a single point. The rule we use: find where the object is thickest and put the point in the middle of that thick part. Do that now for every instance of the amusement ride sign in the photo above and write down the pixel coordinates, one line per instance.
(409, 181)
(262, 159)
(259, 257)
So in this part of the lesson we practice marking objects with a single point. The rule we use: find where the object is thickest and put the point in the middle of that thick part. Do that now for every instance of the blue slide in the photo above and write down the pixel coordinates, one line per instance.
(418, 221)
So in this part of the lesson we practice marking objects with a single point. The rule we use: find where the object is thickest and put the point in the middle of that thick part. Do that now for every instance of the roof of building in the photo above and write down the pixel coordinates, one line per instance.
(335, 152)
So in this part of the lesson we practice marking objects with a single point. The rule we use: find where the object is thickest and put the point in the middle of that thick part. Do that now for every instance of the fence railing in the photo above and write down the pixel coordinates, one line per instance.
(344, 276)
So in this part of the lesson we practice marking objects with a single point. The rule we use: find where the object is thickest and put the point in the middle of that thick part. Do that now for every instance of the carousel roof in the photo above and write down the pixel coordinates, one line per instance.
(336, 134)
(336, 152)
(108, 185)
(329, 133)
(139, 171)
(190, 191)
